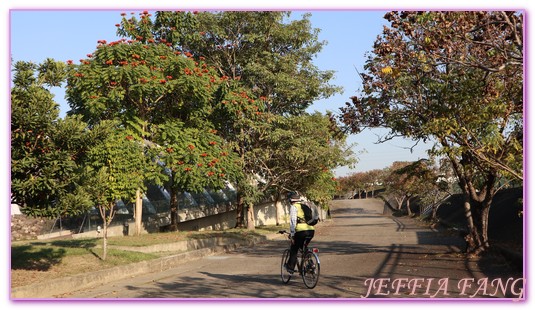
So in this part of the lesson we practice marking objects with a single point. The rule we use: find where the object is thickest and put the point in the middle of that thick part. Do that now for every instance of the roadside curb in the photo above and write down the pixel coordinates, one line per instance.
(55, 287)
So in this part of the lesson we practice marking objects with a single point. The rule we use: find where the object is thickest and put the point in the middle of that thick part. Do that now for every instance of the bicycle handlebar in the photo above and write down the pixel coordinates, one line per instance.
(285, 232)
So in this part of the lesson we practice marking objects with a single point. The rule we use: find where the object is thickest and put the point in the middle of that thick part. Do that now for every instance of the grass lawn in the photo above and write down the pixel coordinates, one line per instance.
(38, 260)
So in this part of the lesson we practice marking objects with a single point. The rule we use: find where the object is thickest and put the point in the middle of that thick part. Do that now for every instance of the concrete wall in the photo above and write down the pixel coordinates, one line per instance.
(195, 219)
(265, 214)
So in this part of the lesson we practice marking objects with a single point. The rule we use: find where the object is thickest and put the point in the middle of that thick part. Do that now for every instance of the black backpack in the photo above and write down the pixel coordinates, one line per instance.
(311, 213)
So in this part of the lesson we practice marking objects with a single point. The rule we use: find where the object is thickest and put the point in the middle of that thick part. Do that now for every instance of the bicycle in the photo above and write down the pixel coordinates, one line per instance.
(308, 263)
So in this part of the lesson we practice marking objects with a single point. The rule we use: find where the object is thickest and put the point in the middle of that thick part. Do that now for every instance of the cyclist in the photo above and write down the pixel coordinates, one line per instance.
(299, 229)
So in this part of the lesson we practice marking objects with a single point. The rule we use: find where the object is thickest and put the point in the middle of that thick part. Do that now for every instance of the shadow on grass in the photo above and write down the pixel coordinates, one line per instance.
(81, 243)
(28, 258)
(41, 256)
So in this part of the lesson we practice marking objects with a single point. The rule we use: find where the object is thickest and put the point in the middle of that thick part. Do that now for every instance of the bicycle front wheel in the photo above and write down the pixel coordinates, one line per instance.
(285, 275)
(310, 269)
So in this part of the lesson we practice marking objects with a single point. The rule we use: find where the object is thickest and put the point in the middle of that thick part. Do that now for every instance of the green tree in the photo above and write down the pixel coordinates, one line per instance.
(265, 63)
(265, 50)
(46, 151)
(353, 183)
(455, 78)
(194, 159)
(131, 80)
(407, 181)
(299, 153)
(144, 85)
(115, 169)
(398, 184)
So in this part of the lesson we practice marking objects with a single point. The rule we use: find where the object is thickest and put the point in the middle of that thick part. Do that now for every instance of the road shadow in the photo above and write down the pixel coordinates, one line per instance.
(219, 285)
(436, 254)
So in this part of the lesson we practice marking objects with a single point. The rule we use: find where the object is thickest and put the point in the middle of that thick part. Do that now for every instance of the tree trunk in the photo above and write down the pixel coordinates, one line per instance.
(400, 202)
(104, 240)
(477, 239)
(409, 212)
(476, 202)
(434, 212)
(485, 225)
(278, 208)
(138, 213)
(106, 220)
(240, 211)
(250, 217)
(173, 206)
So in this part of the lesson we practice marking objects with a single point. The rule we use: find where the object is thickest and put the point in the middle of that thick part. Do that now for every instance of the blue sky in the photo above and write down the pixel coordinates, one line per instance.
(71, 34)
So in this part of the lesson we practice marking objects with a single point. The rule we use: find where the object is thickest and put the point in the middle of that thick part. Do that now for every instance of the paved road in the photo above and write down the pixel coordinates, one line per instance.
(361, 253)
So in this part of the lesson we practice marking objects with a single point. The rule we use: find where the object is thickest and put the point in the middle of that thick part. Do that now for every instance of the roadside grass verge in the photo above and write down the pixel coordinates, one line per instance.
(41, 260)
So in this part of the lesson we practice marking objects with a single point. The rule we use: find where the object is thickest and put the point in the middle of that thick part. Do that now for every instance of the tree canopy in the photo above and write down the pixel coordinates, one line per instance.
(456, 78)
(45, 151)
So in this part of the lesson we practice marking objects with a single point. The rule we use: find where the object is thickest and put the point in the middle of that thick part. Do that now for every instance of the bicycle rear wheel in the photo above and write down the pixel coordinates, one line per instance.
(310, 269)
(285, 275)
